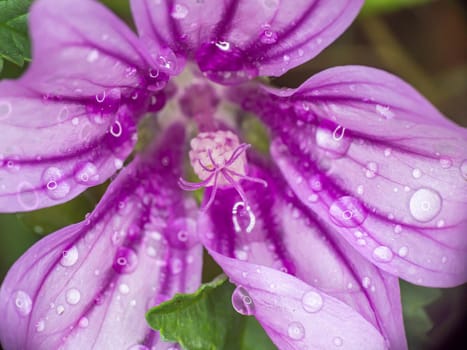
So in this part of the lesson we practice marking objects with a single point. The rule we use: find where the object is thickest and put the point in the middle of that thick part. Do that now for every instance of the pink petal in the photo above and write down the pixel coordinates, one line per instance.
(69, 122)
(90, 284)
(244, 38)
(281, 233)
(384, 166)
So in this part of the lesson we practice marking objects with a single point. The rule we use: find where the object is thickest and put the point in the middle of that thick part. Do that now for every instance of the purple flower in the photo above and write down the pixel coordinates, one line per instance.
(365, 182)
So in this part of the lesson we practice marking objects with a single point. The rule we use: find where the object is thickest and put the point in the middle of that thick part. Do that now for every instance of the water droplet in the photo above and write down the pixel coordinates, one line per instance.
(100, 97)
(312, 198)
(463, 169)
(22, 302)
(27, 196)
(86, 174)
(73, 296)
(371, 169)
(56, 188)
(69, 257)
(398, 229)
(179, 11)
(116, 129)
(361, 242)
(5, 110)
(445, 162)
(440, 223)
(347, 211)
(40, 326)
(268, 36)
(387, 152)
(382, 254)
(242, 301)
(444, 259)
(425, 204)
(243, 218)
(60, 309)
(416, 173)
(403, 251)
(312, 301)
(92, 56)
(83, 322)
(384, 111)
(333, 139)
(176, 266)
(366, 282)
(123, 288)
(296, 331)
(338, 341)
(360, 189)
(125, 260)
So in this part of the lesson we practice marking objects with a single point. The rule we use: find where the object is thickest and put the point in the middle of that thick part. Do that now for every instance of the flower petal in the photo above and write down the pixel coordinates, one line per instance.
(281, 233)
(235, 40)
(89, 285)
(69, 122)
(382, 164)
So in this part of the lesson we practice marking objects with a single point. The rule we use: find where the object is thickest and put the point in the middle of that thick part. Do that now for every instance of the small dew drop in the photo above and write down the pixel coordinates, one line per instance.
(179, 11)
(69, 257)
(83, 322)
(371, 170)
(416, 173)
(73, 296)
(125, 260)
(312, 302)
(397, 229)
(383, 254)
(40, 326)
(22, 302)
(347, 211)
(445, 162)
(124, 289)
(366, 282)
(242, 301)
(338, 341)
(60, 309)
(403, 251)
(296, 331)
(92, 56)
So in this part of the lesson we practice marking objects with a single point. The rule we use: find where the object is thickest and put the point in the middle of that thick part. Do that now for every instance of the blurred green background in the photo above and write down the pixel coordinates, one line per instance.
(422, 41)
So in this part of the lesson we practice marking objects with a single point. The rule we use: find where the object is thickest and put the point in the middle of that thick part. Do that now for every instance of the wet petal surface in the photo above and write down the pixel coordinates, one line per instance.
(376, 159)
(280, 233)
(237, 40)
(89, 285)
(69, 122)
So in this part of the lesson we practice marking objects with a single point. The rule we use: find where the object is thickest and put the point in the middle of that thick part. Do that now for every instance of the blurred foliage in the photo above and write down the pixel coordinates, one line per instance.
(14, 41)
(390, 35)
(372, 7)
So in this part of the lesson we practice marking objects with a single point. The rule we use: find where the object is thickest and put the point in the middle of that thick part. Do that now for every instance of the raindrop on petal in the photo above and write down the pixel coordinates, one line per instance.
(332, 140)
(403, 251)
(69, 257)
(242, 302)
(296, 331)
(382, 254)
(86, 174)
(125, 260)
(312, 301)
(347, 211)
(425, 204)
(73, 296)
(179, 11)
(338, 341)
(40, 326)
(22, 302)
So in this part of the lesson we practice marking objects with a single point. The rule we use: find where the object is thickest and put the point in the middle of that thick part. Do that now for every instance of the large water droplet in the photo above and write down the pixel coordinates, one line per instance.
(242, 302)
(347, 211)
(332, 138)
(382, 254)
(22, 302)
(403, 251)
(125, 260)
(425, 204)
(312, 301)
(69, 257)
(243, 218)
(56, 187)
(73, 296)
(27, 196)
(86, 174)
(296, 331)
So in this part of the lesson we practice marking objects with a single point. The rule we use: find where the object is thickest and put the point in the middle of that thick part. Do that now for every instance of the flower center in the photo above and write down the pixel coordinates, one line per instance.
(220, 161)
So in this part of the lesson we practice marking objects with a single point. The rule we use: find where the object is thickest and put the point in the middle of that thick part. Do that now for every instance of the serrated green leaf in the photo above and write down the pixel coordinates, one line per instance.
(206, 320)
(379, 6)
(14, 39)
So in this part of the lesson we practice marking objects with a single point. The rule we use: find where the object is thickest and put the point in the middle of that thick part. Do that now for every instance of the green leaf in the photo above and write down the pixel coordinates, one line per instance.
(378, 6)
(416, 320)
(14, 39)
(206, 320)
